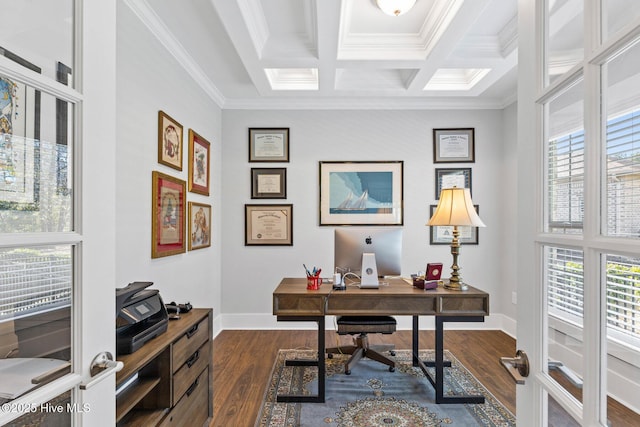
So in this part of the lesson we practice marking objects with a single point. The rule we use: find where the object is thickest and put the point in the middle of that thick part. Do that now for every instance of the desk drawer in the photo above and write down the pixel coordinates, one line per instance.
(193, 408)
(189, 343)
(187, 374)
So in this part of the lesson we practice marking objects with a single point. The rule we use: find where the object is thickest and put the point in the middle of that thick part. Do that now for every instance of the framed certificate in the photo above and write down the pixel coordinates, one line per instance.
(453, 145)
(268, 225)
(269, 145)
(268, 183)
(449, 178)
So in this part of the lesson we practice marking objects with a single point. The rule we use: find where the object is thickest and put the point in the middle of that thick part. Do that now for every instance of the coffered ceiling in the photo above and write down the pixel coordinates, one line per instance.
(342, 53)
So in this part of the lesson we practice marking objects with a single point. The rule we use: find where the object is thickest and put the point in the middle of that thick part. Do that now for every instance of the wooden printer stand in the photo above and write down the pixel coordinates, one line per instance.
(174, 383)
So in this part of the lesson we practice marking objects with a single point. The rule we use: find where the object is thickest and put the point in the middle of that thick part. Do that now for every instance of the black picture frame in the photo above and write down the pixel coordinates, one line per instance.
(268, 145)
(268, 183)
(361, 193)
(449, 177)
(268, 225)
(455, 145)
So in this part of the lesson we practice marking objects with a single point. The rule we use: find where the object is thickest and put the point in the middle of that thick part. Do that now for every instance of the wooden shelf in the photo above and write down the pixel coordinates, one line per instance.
(145, 417)
(163, 369)
(130, 397)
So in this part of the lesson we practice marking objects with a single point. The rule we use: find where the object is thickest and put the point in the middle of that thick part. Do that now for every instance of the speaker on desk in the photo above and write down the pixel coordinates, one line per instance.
(369, 272)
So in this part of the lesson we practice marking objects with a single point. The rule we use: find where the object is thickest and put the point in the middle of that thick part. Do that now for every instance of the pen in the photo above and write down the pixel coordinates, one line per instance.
(306, 269)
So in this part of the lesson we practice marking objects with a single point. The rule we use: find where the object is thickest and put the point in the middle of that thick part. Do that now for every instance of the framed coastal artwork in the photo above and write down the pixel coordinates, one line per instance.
(361, 193)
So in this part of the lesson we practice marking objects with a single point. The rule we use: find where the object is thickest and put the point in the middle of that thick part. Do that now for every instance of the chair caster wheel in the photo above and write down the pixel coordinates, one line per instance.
(330, 356)
(392, 369)
(347, 372)
(393, 353)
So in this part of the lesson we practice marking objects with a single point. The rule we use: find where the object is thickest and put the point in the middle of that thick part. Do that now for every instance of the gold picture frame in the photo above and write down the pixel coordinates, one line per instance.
(169, 141)
(199, 163)
(168, 215)
(199, 225)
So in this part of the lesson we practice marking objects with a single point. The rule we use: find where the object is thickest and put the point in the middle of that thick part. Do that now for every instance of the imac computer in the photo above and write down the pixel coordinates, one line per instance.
(379, 250)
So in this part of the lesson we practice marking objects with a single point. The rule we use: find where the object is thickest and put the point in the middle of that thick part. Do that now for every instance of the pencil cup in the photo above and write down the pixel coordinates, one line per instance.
(313, 283)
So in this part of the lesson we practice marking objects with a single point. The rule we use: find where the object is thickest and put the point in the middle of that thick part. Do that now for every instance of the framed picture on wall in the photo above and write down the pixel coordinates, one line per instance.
(169, 141)
(199, 163)
(268, 225)
(452, 177)
(168, 215)
(269, 145)
(199, 226)
(453, 145)
(361, 193)
(268, 183)
(19, 133)
(443, 234)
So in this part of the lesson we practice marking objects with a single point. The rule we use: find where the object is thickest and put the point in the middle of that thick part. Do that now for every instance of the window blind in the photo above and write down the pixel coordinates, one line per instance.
(565, 181)
(623, 176)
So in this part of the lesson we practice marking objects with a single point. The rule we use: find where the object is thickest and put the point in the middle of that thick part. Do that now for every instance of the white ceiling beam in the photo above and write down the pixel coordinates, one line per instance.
(465, 18)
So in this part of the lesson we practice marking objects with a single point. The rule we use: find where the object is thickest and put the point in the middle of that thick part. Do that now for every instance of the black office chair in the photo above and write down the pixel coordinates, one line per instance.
(361, 326)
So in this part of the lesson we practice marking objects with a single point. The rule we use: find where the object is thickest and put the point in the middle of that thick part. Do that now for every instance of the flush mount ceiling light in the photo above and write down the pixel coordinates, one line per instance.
(395, 7)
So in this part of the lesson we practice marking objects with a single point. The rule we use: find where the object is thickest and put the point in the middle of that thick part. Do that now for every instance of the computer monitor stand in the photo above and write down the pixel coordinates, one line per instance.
(369, 271)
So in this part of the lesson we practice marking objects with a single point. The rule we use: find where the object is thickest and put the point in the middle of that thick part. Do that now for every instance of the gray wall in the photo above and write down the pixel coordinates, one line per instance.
(149, 79)
(237, 281)
(250, 274)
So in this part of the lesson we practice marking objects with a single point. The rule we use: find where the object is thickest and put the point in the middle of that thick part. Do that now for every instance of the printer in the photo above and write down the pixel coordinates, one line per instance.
(140, 316)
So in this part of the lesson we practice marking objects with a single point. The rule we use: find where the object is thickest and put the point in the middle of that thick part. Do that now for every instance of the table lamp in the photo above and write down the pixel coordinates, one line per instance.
(455, 208)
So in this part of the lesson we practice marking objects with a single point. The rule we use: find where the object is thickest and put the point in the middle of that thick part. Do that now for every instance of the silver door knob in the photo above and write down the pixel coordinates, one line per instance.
(518, 367)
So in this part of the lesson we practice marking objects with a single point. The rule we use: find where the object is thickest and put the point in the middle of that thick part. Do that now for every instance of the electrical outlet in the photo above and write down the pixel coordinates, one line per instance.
(514, 298)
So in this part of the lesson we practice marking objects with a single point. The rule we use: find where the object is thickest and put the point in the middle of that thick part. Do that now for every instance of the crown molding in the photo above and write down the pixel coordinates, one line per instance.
(150, 19)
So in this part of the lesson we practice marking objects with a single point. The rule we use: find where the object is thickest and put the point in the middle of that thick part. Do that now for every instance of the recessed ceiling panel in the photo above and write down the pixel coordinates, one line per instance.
(372, 79)
(291, 27)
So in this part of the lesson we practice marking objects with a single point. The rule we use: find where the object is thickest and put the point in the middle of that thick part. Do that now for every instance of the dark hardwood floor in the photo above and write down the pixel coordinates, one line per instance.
(242, 363)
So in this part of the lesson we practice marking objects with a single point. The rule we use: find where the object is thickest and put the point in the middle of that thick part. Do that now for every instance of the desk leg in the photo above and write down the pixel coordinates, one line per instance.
(320, 363)
(440, 363)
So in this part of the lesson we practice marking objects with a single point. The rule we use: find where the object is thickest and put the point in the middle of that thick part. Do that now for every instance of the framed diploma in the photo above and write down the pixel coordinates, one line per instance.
(168, 215)
(449, 178)
(453, 145)
(268, 225)
(269, 145)
(268, 183)
(443, 234)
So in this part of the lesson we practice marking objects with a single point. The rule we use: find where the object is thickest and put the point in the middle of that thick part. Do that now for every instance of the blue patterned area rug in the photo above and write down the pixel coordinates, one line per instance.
(372, 396)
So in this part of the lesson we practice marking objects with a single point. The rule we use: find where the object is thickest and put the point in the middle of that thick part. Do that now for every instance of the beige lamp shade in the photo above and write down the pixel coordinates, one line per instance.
(456, 208)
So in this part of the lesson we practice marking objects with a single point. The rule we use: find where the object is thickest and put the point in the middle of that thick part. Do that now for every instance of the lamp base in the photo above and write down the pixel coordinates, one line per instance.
(455, 286)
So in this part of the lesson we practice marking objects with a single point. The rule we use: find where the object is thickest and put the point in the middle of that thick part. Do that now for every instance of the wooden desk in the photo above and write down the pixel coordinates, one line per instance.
(293, 302)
